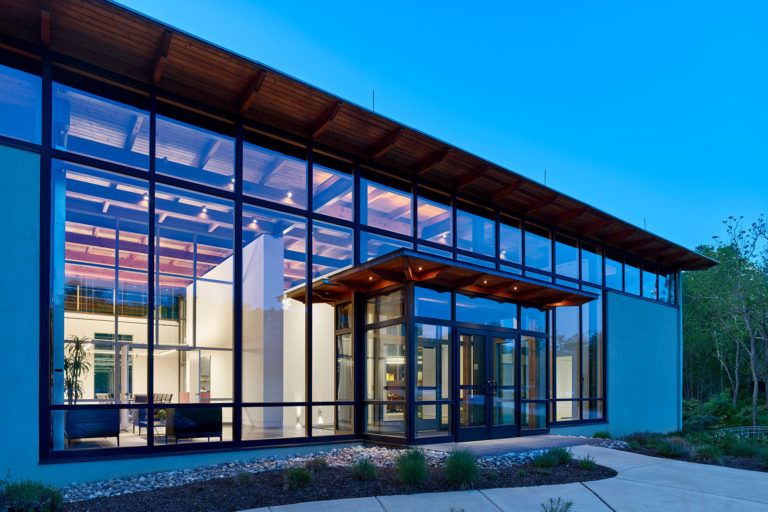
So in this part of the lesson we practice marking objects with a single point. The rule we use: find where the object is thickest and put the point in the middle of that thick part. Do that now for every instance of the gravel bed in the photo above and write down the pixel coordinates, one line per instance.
(340, 457)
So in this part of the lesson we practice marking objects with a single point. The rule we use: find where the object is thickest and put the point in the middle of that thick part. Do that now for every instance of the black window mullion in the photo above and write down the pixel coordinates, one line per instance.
(151, 273)
(238, 288)
(308, 305)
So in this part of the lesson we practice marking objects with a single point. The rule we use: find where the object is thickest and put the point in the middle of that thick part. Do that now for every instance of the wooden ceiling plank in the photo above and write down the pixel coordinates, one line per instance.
(325, 121)
(597, 226)
(572, 214)
(162, 57)
(505, 191)
(542, 203)
(620, 236)
(431, 162)
(251, 90)
(638, 244)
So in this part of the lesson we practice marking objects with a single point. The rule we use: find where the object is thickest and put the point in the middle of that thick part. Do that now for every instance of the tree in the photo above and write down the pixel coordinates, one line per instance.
(76, 365)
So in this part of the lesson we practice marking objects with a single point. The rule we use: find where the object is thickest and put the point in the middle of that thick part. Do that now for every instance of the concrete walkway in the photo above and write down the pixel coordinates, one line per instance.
(513, 444)
(643, 484)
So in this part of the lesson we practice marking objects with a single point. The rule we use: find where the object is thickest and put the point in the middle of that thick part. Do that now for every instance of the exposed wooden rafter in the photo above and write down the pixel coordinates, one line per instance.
(542, 203)
(162, 57)
(387, 144)
(325, 120)
(251, 90)
(597, 226)
(472, 176)
(620, 236)
(638, 244)
(507, 190)
(571, 214)
(432, 161)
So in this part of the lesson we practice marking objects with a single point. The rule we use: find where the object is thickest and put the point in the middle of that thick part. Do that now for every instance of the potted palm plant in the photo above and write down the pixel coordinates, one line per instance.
(76, 366)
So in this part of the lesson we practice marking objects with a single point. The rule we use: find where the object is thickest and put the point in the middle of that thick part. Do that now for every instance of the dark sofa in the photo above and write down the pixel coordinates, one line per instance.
(187, 423)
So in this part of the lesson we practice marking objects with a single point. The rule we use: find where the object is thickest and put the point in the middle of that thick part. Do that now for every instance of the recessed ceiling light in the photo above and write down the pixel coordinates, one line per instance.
(205, 209)
(289, 194)
(370, 278)
(146, 196)
(420, 269)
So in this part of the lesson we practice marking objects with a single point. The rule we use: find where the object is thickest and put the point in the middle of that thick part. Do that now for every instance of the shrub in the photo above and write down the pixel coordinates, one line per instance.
(743, 449)
(30, 496)
(521, 473)
(546, 460)
(556, 505)
(461, 468)
(297, 478)
(708, 453)
(603, 434)
(587, 463)
(363, 470)
(242, 478)
(493, 475)
(763, 457)
(543, 471)
(316, 464)
(564, 455)
(634, 445)
(672, 448)
(411, 467)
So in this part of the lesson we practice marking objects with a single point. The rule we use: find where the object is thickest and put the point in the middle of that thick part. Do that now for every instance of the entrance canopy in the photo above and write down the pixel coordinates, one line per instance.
(405, 265)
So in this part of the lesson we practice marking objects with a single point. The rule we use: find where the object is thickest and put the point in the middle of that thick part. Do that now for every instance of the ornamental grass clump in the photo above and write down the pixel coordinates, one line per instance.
(30, 496)
(707, 453)
(316, 464)
(242, 478)
(673, 448)
(546, 460)
(587, 463)
(603, 434)
(363, 470)
(556, 505)
(411, 467)
(461, 469)
(743, 449)
(297, 478)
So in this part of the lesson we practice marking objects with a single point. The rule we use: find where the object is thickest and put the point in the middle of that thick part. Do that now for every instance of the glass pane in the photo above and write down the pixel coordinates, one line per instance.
(386, 419)
(567, 410)
(533, 416)
(385, 364)
(195, 238)
(504, 381)
(533, 368)
(632, 276)
(432, 250)
(534, 319)
(94, 126)
(372, 246)
(472, 377)
(84, 429)
(649, 282)
(332, 192)
(99, 318)
(274, 176)
(471, 408)
(566, 256)
(274, 264)
(20, 105)
(388, 306)
(187, 425)
(667, 287)
(594, 410)
(274, 422)
(475, 233)
(194, 154)
(435, 223)
(432, 303)
(614, 273)
(476, 261)
(433, 420)
(333, 420)
(592, 346)
(483, 311)
(386, 208)
(331, 248)
(433, 362)
(538, 248)
(591, 263)
(567, 371)
(510, 240)
(332, 357)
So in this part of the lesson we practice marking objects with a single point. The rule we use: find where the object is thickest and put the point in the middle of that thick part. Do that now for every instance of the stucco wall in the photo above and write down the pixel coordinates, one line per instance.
(643, 359)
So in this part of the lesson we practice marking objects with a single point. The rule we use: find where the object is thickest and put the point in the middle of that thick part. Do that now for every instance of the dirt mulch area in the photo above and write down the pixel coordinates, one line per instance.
(750, 463)
(267, 489)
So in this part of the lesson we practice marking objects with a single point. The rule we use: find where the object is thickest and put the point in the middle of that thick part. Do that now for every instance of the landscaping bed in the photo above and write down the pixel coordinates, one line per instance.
(269, 488)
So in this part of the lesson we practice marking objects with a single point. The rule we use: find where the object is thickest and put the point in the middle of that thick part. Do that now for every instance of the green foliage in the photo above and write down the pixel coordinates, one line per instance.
(297, 478)
(363, 470)
(493, 475)
(564, 455)
(316, 464)
(411, 467)
(556, 505)
(634, 445)
(708, 453)
(673, 448)
(461, 468)
(603, 434)
(521, 473)
(542, 471)
(587, 463)
(744, 448)
(642, 438)
(242, 478)
(546, 460)
(30, 496)
(76, 366)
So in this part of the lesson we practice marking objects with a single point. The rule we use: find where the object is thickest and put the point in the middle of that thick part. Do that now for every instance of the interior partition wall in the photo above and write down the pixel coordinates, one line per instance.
(173, 236)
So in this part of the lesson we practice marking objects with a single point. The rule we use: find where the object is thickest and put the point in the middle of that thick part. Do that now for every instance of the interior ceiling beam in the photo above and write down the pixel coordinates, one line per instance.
(620, 236)
(430, 163)
(571, 214)
(429, 274)
(387, 144)
(251, 90)
(472, 176)
(45, 24)
(162, 57)
(325, 120)
(597, 226)
(542, 203)
(507, 190)
(131, 138)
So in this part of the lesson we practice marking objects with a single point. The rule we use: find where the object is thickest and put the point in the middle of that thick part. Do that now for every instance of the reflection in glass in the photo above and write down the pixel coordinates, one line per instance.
(504, 381)
(332, 192)
(331, 248)
(533, 319)
(372, 246)
(475, 233)
(592, 346)
(87, 429)
(479, 310)
(567, 369)
(510, 240)
(433, 419)
(533, 368)
(386, 208)
(566, 256)
(274, 422)
(434, 222)
(533, 415)
(388, 306)
(20, 105)
(194, 154)
(594, 410)
(591, 263)
(667, 287)
(632, 276)
(386, 419)
(432, 303)
(472, 380)
(614, 273)
(649, 281)
(273, 176)
(538, 248)
(385, 363)
(433, 362)
(98, 127)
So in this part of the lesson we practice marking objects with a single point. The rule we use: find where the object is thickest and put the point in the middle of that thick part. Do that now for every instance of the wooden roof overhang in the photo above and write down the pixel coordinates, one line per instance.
(405, 265)
(113, 43)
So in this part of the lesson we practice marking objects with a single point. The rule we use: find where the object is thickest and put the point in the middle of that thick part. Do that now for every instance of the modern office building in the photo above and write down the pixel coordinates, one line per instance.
(206, 257)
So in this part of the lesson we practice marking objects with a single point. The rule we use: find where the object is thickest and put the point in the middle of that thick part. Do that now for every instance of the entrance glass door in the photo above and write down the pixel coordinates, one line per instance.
(533, 385)
(503, 387)
(473, 386)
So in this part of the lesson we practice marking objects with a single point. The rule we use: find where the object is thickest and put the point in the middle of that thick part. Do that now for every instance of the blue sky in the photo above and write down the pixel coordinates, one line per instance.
(647, 110)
